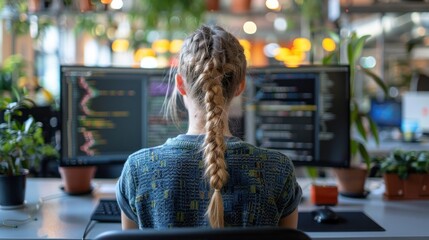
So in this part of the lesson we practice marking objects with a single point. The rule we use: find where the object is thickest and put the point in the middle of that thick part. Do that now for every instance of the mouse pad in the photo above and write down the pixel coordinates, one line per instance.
(349, 222)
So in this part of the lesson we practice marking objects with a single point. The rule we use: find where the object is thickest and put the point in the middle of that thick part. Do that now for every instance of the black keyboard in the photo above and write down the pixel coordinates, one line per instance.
(107, 210)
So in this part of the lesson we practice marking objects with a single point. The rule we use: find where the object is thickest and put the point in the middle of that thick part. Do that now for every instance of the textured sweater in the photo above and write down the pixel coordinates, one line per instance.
(164, 186)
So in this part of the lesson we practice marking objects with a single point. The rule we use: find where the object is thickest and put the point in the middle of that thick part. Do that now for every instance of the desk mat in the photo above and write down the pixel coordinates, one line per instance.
(350, 222)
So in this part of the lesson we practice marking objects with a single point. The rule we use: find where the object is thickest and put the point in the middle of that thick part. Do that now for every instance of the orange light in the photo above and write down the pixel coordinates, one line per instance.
(298, 54)
(143, 52)
(328, 44)
(105, 1)
(282, 53)
(176, 45)
(245, 44)
(120, 45)
(292, 61)
(302, 44)
(247, 54)
(161, 45)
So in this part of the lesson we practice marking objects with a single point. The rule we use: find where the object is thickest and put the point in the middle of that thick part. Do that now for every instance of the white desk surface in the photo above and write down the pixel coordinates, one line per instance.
(61, 216)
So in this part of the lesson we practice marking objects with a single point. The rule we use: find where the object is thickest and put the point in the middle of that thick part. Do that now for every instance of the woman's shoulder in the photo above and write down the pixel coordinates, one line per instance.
(167, 148)
(145, 152)
(261, 151)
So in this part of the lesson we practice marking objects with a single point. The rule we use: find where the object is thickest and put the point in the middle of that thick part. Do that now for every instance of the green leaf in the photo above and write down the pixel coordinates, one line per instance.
(28, 124)
(334, 36)
(312, 172)
(364, 153)
(360, 127)
(374, 129)
(328, 59)
(354, 112)
(353, 147)
(350, 56)
(377, 80)
(358, 47)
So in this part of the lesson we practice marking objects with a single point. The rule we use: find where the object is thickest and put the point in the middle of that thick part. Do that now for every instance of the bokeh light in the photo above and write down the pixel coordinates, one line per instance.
(329, 44)
(120, 45)
(250, 27)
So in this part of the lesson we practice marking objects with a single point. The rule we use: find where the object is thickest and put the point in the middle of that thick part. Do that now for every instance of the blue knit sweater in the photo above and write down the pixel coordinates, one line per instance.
(164, 186)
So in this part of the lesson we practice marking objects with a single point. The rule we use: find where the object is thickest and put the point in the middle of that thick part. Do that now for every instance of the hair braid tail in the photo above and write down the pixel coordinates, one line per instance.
(215, 146)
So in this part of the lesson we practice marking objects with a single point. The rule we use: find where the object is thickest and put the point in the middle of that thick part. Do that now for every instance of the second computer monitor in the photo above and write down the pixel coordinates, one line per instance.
(302, 112)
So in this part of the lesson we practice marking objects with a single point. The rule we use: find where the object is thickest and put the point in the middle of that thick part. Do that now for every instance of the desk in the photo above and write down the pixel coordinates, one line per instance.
(62, 216)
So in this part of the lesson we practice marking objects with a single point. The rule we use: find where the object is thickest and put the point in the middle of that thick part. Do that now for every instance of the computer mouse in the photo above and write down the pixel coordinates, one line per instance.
(325, 215)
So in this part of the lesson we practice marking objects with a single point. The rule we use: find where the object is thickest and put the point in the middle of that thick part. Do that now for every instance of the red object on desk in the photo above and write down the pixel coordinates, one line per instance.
(323, 195)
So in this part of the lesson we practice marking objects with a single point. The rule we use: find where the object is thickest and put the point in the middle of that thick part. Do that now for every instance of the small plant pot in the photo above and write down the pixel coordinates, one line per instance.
(240, 6)
(414, 187)
(424, 191)
(351, 182)
(213, 5)
(77, 180)
(394, 186)
(12, 191)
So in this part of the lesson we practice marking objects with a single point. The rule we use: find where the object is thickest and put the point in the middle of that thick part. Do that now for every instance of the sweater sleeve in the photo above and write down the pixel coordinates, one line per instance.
(291, 193)
(125, 192)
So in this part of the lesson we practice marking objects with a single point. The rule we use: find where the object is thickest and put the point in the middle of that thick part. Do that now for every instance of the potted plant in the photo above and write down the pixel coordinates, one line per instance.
(22, 147)
(11, 70)
(351, 181)
(406, 174)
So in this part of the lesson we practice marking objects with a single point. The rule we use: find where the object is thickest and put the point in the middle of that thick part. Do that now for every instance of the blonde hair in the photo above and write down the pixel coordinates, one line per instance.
(212, 64)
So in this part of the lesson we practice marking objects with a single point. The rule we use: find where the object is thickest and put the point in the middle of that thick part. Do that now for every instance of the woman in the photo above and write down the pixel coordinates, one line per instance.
(207, 176)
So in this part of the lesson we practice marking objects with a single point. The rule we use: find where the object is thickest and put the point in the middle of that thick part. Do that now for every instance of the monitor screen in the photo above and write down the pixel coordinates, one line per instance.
(302, 112)
(107, 113)
(415, 112)
(386, 113)
(159, 129)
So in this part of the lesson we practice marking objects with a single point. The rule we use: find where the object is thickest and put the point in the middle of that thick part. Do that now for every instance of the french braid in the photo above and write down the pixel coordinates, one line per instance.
(213, 65)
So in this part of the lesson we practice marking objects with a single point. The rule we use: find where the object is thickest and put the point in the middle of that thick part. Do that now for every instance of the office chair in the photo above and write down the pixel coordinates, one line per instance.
(233, 233)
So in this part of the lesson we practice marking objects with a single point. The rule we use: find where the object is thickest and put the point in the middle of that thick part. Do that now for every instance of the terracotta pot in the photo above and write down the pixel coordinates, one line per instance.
(416, 186)
(34, 5)
(12, 190)
(394, 186)
(213, 5)
(351, 181)
(424, 190)
(412, 186)
(240, 6)
(77, 180)
(85, 5)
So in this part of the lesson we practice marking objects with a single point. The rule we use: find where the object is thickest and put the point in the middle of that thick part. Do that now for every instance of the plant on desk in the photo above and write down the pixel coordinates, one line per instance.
(351, 181)
(21, 148)
(406, 174)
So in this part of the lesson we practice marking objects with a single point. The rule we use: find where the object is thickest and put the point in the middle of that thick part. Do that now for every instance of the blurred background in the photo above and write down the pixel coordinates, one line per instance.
(37, 36)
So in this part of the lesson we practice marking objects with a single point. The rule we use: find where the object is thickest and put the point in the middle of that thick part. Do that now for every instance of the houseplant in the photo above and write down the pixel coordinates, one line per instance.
(351, 181)
(21, 148)
(406, 174)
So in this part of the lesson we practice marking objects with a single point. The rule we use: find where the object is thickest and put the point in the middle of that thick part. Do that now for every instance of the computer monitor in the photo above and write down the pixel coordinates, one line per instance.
(415, 114)
(302, 112)
(386, 113)
(107, 113)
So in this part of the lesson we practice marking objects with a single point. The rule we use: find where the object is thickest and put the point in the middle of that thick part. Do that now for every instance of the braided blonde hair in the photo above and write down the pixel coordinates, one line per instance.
(212, 64)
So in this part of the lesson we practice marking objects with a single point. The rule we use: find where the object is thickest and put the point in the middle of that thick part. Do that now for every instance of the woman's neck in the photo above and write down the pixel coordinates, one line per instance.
(197, 124)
